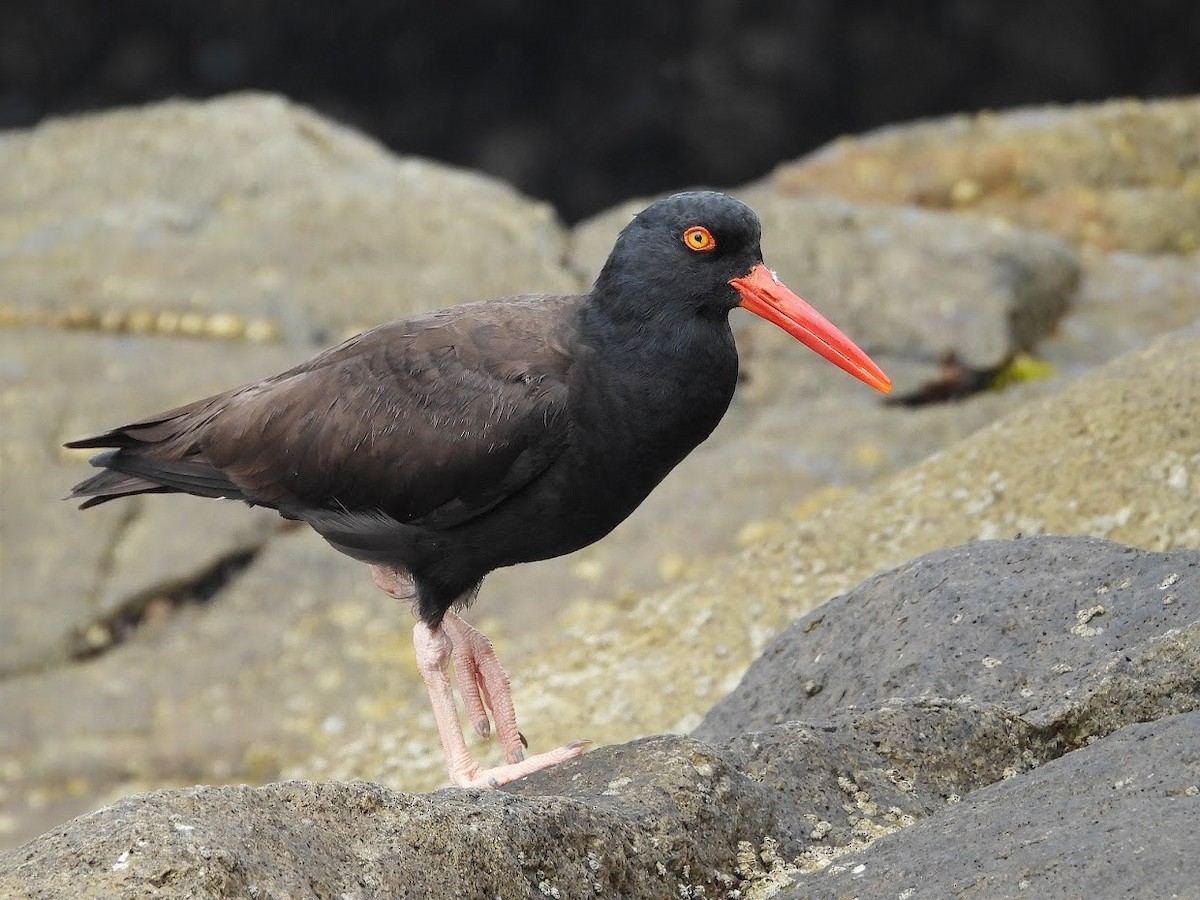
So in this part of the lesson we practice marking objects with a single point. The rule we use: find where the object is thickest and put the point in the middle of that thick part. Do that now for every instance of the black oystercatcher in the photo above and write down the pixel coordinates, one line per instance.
(441, 447)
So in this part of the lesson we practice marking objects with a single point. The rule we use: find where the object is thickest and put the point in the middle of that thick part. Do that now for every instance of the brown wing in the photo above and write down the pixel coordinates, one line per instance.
(431, 420)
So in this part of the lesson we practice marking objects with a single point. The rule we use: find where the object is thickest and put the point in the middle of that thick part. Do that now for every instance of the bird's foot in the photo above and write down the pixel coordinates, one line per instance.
(484, 686)
(473, 775)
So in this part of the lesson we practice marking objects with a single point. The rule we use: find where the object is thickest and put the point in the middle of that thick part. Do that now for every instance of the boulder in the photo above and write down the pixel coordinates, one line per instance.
(1120, 175)
(915, 792)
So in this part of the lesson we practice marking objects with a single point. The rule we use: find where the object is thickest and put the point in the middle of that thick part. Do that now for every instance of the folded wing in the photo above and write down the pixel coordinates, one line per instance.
(429, 421)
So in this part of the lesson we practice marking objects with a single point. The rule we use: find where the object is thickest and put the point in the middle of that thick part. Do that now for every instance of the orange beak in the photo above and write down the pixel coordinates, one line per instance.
(766, 296)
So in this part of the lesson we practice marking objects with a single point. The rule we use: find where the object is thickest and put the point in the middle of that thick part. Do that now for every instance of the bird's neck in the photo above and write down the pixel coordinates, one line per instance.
(654, 385)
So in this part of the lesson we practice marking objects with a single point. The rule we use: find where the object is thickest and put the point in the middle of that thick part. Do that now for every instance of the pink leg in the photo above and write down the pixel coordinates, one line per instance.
(483, 684)
(434, 651)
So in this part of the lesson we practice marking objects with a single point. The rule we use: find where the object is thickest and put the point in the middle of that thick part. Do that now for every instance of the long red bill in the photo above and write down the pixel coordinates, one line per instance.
(765, 295)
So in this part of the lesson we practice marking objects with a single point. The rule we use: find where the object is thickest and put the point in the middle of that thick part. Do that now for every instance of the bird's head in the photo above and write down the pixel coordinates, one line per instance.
(699, 253)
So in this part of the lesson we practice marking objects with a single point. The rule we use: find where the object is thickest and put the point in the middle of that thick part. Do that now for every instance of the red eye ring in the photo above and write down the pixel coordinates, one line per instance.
(700, 239)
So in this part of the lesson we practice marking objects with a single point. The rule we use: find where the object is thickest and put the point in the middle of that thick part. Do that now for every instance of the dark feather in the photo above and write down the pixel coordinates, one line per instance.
(429, 421)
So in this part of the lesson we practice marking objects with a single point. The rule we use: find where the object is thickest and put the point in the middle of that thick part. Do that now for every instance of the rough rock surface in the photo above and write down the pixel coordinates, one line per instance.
(798, 803)
(663, 816)
(1110, 455)
(1123, 175)
(1115, 819)
(958, 623)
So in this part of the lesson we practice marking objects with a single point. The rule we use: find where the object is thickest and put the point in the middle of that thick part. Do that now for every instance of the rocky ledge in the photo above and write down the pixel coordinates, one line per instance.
(1009, 716)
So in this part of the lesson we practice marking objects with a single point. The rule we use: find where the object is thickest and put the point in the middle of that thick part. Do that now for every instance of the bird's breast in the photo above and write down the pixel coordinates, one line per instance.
(637, 410)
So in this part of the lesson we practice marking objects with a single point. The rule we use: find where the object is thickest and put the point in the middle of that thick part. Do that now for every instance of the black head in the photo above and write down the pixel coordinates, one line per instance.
(682, 251)
(697, 255)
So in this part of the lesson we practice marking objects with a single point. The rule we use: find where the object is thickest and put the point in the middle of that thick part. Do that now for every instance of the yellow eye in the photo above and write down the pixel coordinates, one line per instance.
(700, 239)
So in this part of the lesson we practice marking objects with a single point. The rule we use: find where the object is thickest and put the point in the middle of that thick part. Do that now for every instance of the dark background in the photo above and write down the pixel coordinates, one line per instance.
(585, 104)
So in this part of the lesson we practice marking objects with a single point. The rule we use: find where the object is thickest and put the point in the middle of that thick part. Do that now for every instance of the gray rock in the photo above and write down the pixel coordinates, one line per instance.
(664, 816)
(1114, 819)
(253, 206)
(66, 573)
(852, 801)
(1110, 176)
(645, 819)
(1099, 327)
(1053, 628)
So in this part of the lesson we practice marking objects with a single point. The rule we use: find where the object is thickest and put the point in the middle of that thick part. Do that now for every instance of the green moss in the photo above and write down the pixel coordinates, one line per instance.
(1021, 368)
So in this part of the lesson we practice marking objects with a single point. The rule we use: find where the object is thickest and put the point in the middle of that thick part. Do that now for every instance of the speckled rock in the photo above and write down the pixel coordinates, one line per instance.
(864, 794)
(958, 623)
(1123, 175)
(1114, 819)
(663, 816)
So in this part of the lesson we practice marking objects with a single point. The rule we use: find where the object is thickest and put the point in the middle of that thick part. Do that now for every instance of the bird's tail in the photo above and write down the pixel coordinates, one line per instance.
(153, 456)
(111, 484)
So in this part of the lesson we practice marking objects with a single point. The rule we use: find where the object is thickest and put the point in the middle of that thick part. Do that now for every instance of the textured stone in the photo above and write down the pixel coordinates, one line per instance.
(1122, 175)
(930, 791)
(1052, 628)
(1115, 819)
(253, 206)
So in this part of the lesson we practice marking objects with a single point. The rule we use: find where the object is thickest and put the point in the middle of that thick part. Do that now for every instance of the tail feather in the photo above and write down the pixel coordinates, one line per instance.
(110, 485)
(153, 456)
(128, 472)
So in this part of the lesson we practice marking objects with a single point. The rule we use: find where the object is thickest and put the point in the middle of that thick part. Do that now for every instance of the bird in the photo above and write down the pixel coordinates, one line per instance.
(440, 447)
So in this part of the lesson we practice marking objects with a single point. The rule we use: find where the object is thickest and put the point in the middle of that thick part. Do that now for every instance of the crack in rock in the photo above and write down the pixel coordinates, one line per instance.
(160, 601)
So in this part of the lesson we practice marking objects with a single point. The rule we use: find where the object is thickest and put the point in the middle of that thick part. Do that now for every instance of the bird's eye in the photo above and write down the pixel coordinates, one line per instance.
(700, 239)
